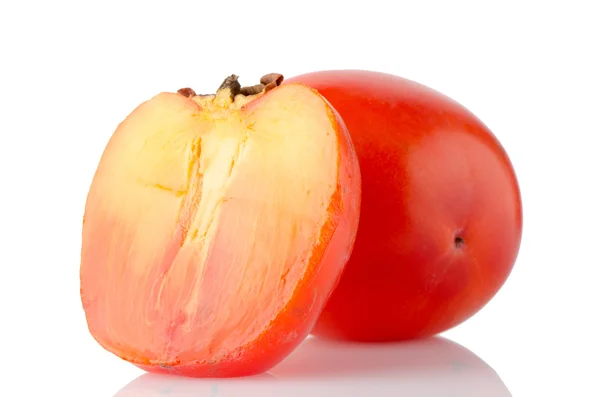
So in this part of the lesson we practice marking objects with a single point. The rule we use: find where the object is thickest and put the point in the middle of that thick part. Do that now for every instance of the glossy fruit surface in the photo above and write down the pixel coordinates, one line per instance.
(441, 217)
(216, 227)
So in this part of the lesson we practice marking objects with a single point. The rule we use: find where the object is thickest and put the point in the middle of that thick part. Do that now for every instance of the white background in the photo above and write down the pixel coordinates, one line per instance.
(71, 71)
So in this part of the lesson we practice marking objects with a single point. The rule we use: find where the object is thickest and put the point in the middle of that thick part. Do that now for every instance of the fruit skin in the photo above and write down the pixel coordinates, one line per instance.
(441, 214)
(124, 221)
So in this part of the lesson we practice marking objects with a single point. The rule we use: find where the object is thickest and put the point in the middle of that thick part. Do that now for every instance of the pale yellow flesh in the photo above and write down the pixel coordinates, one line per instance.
(199, 224)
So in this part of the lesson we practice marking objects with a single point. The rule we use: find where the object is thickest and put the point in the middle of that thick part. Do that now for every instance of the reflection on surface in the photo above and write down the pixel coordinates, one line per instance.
(434, 367)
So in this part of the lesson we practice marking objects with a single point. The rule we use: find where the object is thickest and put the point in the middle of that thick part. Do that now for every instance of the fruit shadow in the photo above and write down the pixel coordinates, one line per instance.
(319, 358)
(322, 368)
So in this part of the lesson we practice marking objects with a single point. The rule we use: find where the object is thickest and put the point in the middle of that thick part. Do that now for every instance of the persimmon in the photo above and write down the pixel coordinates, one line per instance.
(441, 214)
(216, 227)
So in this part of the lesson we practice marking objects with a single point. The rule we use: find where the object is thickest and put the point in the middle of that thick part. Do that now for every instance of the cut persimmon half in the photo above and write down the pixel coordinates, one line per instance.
(217, 226)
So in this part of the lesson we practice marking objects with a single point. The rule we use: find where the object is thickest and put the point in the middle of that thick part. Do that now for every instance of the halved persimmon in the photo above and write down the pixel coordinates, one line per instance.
(217, 226)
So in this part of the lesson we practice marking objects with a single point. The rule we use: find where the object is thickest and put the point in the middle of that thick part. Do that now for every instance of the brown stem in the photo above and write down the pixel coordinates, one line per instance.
(252, 90)
(186, 92)
(271, 80)
(233, 84)
(267, 83)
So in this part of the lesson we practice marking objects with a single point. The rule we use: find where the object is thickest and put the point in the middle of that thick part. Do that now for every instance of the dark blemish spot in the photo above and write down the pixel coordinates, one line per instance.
(459, 242)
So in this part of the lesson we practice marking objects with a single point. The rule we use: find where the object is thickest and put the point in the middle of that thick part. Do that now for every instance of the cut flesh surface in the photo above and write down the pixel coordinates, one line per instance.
(202, 221)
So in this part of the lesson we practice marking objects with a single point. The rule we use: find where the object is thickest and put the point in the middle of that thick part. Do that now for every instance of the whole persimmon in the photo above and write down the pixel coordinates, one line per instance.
(216, 227)
(441, 215)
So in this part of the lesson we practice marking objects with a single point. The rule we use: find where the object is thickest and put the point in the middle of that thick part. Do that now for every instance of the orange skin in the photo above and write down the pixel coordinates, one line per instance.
(441, 214)
(214, 233)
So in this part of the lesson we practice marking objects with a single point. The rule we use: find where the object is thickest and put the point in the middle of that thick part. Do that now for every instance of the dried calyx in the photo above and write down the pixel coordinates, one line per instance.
(233, 88)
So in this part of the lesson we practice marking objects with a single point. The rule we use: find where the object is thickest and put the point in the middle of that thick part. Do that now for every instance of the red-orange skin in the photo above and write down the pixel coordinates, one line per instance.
(431, 172)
